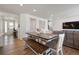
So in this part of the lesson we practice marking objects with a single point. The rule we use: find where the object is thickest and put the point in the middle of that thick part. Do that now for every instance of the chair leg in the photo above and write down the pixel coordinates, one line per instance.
(61, 52)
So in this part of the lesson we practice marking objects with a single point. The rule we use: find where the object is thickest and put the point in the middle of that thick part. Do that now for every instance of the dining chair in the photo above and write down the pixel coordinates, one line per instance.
(60, 44)
(59, 47)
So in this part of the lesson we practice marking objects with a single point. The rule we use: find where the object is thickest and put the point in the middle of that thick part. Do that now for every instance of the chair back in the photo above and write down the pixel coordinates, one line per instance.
(60, 42)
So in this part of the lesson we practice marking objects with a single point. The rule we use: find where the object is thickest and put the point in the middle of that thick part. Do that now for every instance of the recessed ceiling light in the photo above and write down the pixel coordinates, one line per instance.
(21, 4)
(34, 10)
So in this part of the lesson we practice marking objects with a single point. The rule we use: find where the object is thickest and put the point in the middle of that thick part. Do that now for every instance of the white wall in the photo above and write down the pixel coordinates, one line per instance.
(24, 25)
(66, 16)
(25, 20)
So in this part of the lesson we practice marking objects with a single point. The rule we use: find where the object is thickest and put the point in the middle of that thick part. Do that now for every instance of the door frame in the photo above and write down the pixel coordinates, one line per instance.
(8, 20)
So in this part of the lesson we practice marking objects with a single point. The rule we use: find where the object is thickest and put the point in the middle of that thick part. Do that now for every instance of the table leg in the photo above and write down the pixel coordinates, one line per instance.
(26, 45)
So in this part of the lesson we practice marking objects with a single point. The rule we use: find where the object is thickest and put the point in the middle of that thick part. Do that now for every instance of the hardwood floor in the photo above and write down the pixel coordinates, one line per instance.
(17, 48)
(70, 51)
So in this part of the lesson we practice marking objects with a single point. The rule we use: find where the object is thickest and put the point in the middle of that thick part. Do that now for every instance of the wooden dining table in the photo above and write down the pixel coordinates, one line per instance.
(42, 36)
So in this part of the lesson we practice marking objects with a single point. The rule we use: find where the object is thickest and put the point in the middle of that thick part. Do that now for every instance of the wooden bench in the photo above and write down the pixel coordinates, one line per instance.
(36, 47)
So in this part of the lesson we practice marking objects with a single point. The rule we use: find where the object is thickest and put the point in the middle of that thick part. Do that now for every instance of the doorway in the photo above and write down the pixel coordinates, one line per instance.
(8, 26)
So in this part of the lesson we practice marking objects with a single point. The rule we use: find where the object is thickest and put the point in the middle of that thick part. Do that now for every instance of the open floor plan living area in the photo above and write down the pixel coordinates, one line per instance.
(39, 29)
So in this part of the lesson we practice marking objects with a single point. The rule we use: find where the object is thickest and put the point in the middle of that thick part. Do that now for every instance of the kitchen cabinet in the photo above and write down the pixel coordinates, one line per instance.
(72, 39)
(76, 39)
(68, 38)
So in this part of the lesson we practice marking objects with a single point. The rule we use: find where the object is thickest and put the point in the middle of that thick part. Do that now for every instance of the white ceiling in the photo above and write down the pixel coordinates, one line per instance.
(43, 10)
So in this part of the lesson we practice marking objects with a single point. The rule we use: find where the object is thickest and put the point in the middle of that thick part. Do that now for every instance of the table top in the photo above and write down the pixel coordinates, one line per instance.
(43, 35)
